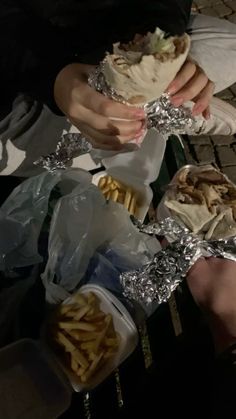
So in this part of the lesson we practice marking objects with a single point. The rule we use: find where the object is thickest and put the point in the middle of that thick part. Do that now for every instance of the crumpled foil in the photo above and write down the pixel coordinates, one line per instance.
(161, 114)
(155, 281)
(71, 145)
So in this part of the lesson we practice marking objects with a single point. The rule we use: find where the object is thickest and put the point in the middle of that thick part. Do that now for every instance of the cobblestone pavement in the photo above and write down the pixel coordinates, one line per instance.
(216, 149)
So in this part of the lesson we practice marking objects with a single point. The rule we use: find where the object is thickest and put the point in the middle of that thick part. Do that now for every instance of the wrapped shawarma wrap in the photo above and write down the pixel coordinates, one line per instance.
(141, 70)
(204, 200)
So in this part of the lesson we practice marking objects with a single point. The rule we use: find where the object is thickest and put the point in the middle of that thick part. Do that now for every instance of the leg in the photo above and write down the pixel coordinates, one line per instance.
(214, 48)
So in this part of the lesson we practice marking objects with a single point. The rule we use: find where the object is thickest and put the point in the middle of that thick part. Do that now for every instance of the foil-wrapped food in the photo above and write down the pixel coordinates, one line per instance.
(138, 74)
(198, 218)
(154, 283)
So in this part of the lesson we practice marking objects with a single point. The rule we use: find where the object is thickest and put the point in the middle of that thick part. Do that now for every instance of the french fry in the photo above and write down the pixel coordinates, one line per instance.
(114, 195)
(82, 336)
(80, 299)
(65, 342)
(121, 198)
(88, 345)
(102, 182)
(73, 334)
(132, 206)
(77, 325)
(92, 299)
(71, 314)
(80, 358)
(81, 312)
(128, 196)
(92, 368)
(106, 189)
(81, 371)
(65, 308)
(91, 356)
(112, 341)
(74, 365)
(109, 180)
(102, 335)
(119, 185)
(95, 317)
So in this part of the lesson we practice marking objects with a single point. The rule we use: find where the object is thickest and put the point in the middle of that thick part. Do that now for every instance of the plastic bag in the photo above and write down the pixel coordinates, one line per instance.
(23, 213)
(83, 222)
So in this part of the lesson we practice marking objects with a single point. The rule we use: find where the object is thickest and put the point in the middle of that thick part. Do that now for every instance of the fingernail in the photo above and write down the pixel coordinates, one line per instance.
(171, 89)
(177, 101)
(208, 114)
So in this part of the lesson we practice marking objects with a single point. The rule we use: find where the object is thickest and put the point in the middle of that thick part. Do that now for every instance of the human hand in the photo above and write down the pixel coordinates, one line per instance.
(191, 83)
(92, 113)
(212, 283)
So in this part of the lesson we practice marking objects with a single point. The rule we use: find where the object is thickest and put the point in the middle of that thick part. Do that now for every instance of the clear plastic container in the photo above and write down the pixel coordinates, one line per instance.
(31, 385)
(144, 192)
(123, 324)
(138, 168)
(35, 384)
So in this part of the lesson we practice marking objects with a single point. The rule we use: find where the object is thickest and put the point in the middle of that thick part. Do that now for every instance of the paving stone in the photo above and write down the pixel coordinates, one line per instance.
(232, 102)
(231, 4)
(209, 12)
(222, 10)
(200, 140)
(205, 153)
(230, 172)
(189, 156)
(226, 155)
(207, 3)
(232, 18)
(233, 89)
(202, 3)
(222, 139)
(207, 148)
(226, 94)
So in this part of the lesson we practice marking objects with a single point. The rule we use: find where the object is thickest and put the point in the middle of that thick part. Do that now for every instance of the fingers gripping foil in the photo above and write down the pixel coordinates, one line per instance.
(161, 114)
(155, 282)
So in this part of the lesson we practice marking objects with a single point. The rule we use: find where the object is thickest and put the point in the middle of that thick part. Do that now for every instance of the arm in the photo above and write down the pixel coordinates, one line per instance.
(212, 283)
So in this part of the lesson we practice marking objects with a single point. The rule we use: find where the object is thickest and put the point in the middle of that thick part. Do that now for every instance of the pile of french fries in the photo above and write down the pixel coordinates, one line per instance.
(117, 192)
(86, 334)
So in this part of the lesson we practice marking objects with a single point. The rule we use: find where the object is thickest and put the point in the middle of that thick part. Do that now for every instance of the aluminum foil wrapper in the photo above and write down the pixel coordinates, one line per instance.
(161, 114)
(155, 282)
(70, 146)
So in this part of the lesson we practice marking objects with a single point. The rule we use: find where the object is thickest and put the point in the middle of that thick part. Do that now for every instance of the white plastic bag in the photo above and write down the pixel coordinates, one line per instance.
(83, 222)
(23, 213)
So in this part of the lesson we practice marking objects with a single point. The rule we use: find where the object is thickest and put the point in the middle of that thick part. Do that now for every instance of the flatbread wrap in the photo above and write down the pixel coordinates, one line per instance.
(141, 70)
(205, 201)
